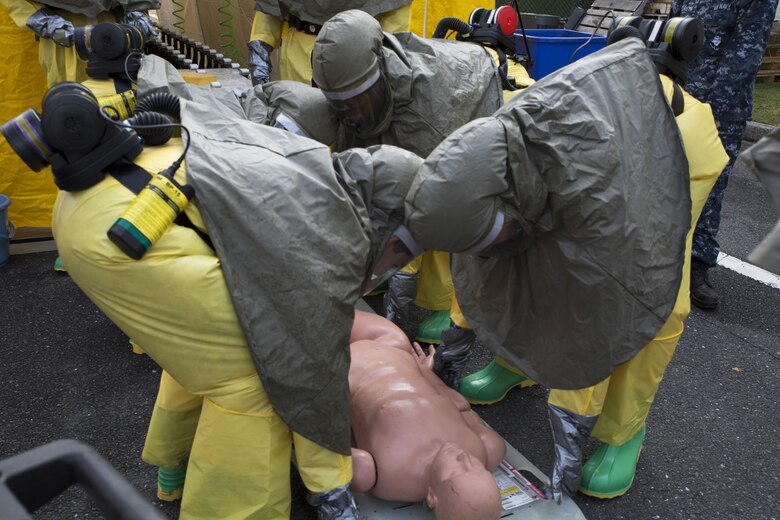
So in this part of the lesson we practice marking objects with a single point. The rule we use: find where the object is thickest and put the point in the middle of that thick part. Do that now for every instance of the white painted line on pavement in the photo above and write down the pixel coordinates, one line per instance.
(749, 270)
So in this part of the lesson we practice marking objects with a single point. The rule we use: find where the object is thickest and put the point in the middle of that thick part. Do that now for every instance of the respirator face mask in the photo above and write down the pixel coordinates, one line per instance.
(399, 250)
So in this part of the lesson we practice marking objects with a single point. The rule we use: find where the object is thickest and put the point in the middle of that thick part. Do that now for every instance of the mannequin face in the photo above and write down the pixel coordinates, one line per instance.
(461, 488)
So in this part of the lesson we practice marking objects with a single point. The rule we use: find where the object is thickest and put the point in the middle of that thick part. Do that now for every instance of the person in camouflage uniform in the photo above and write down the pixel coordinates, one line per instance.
(722, 75)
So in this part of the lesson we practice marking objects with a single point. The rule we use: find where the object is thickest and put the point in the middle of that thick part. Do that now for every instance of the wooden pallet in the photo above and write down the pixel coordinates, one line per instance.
(657, 9)
(597, 17)
(769, 72)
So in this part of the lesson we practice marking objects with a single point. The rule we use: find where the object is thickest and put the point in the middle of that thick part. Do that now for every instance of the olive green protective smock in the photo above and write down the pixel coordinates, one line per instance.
(306, 107)
(157, 75)
(437, 87)
(590, 162)
(296, 231)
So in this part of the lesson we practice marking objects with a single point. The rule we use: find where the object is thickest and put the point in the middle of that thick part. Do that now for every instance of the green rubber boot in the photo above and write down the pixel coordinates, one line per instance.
(59, 266)
(610, 471)
(170, 483)
(429, 330)
(492, 383)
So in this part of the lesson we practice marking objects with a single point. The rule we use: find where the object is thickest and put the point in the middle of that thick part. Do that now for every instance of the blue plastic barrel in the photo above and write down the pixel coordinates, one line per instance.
(552, 49)
(5, 230)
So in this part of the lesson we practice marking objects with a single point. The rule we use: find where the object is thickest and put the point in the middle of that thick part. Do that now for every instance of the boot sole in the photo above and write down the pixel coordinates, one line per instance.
(615, 494)
(172, 496)
(523, 384)
(703, 305)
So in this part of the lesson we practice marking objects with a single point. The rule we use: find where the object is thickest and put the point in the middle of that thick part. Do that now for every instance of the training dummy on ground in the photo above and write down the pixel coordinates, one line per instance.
(410, 92)
(416, 438)
(270, 383)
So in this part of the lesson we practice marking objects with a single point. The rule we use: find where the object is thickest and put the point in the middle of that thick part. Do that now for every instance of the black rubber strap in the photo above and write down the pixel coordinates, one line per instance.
(678, 100)
(303, 26)
(122, 84)
(130, 175)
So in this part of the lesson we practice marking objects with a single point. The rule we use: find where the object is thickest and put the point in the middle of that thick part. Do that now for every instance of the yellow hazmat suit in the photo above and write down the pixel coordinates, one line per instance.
(240, 452)
(622, 401)
(295, 57)
(58, 63)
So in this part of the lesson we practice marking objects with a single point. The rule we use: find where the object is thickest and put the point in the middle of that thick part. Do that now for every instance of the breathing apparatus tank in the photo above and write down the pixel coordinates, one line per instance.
(82, 140)
(672, 43)
(151, 213)
(494, 28)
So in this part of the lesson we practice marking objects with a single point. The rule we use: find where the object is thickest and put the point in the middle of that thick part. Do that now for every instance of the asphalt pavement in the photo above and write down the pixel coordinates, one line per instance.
(712, 448)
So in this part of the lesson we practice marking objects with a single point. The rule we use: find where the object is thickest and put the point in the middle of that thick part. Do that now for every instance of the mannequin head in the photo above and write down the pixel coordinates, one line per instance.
(461, 488)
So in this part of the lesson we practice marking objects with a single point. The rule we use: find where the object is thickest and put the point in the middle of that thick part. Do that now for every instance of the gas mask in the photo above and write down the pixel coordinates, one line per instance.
(399, 250)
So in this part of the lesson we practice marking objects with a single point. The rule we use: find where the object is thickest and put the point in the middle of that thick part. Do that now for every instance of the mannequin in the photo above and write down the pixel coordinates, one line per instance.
(417, 439)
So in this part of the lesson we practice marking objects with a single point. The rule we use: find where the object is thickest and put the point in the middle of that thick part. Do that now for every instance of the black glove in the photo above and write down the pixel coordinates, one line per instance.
(259, 62)
(47, 24)
(399, 299)
(142, 22)
(452, 354)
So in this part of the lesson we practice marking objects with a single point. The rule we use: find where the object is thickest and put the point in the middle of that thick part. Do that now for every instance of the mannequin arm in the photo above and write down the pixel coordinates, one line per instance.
(363, 471)
(426, 368)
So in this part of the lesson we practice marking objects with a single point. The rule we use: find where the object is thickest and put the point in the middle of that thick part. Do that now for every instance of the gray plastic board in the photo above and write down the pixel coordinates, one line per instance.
(518, 503)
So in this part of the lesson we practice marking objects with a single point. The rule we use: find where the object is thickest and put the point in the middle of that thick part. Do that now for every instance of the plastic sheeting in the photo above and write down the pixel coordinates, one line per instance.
(429, 12)
(22, 85)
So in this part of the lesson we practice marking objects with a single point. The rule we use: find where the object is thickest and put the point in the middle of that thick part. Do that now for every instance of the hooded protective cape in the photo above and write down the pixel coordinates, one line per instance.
(306, 106)
(437, 86)
(318, 11)
(92, 8)
(590, 162)
(157, 75)
(295, 236)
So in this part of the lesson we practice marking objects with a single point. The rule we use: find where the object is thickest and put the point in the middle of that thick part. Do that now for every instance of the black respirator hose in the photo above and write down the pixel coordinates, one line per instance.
(451, 24)
(144, 122)
(163, 102)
